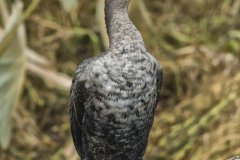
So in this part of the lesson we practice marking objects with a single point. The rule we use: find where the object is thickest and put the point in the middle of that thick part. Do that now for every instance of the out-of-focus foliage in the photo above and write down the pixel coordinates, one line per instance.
(69, 5)
(197, 43)
(12, 68)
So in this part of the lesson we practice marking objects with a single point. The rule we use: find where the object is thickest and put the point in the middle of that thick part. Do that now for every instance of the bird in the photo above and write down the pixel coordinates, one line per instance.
(113, 96)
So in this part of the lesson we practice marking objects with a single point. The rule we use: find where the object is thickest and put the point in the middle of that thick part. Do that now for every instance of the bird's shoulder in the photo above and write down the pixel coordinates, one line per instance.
(84, 69)
(155, 61)
(78, 90)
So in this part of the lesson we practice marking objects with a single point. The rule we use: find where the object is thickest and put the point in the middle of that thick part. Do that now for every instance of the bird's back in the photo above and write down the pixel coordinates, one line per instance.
(118, 110)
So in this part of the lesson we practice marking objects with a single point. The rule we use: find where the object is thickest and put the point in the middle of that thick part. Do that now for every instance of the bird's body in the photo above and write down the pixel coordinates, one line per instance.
(113, 96)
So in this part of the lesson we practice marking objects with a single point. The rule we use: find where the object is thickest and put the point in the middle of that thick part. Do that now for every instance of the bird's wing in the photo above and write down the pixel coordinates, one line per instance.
(78, 97)
(76, 112)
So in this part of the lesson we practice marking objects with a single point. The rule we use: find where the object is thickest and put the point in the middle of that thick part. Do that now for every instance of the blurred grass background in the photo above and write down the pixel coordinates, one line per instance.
(196, 41)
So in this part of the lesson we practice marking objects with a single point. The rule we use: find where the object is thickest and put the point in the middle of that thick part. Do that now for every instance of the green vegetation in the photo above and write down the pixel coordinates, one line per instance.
(197, 43)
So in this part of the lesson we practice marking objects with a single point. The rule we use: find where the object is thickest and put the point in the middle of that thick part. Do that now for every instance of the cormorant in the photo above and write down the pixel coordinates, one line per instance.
(113, 96)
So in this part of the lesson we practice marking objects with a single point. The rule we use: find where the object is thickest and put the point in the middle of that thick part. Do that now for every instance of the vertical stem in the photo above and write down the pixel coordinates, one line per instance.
(4, 12)
(101, 22)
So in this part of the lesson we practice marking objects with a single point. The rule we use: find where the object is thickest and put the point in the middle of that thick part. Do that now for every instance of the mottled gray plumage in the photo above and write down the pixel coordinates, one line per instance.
(113, 96)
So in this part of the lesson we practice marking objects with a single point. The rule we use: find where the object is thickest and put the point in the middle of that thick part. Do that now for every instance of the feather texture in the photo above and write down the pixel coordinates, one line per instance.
(113, 96)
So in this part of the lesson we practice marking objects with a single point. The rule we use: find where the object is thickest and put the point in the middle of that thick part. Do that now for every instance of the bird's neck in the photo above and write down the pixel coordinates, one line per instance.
(121, 30)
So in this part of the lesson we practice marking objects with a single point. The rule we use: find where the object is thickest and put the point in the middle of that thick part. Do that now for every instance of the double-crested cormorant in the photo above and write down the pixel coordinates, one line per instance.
(113, 96)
